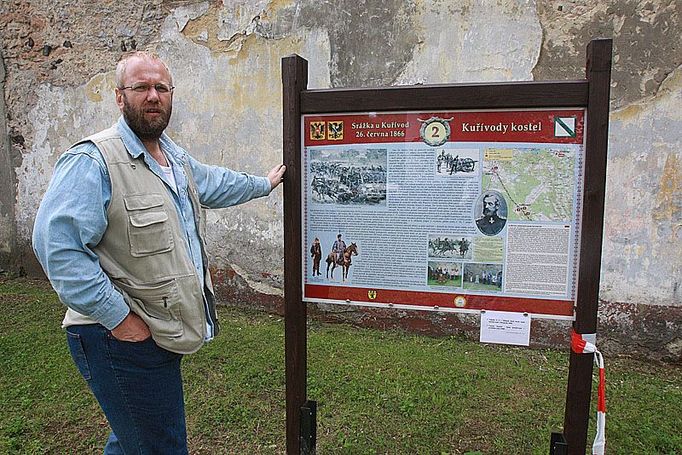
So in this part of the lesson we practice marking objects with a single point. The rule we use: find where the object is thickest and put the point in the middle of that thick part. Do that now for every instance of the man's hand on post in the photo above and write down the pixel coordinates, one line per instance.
(276, 175)
(132, 329)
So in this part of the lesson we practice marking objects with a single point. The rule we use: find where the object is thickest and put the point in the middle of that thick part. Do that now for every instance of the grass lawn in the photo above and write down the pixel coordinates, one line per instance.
(455, 282)
(377, 392)
(481, 287)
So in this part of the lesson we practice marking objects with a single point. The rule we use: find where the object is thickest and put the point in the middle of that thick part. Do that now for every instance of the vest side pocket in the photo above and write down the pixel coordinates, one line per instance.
(158, 305)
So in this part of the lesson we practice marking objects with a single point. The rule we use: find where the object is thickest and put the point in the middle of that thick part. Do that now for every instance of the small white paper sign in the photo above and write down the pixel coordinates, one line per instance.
(504, 327)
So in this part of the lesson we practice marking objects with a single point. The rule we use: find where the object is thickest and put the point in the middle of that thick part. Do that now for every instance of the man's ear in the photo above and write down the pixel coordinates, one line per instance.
(119, 98)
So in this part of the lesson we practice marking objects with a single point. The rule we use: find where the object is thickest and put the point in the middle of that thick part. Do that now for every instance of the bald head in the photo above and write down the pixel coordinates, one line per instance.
(128, 58)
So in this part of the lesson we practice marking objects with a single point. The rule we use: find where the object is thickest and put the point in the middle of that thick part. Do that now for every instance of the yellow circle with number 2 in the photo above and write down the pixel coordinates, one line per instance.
(435, 131)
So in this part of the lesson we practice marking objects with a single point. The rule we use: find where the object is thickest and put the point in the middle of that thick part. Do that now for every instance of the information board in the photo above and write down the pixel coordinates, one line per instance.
(448, 211)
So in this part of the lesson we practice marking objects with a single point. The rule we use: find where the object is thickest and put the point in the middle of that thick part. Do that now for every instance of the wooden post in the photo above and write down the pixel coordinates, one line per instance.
(598, 72)
(294, 81)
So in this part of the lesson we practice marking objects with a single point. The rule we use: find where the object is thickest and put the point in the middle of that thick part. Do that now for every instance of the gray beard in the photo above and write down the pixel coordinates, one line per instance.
(141, 127)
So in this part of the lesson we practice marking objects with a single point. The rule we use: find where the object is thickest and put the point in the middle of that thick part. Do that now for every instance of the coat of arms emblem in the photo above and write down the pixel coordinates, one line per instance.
(335, 131)
(317, 131)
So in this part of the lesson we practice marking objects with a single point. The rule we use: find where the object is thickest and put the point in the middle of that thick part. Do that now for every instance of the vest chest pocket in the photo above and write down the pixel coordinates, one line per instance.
(148, 227)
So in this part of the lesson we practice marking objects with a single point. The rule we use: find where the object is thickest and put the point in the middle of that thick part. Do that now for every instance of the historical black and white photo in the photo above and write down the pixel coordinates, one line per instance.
(349, 177)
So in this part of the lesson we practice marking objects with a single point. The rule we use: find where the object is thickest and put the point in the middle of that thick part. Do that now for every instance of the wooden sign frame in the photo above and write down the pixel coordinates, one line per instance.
(591, 94)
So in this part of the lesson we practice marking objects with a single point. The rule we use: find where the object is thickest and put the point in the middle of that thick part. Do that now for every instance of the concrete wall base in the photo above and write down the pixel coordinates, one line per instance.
(640, 331)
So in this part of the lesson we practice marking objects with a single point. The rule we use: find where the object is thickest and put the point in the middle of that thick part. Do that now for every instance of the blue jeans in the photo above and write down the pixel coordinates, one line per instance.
(138, 386)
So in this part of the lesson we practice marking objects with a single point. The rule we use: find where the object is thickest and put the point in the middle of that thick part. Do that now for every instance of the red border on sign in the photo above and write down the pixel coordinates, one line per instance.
(506, 126)
(440, 300)
(498, 126)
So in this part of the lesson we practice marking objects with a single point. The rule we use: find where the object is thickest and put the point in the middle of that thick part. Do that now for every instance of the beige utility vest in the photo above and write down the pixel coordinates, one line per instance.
(144, 253)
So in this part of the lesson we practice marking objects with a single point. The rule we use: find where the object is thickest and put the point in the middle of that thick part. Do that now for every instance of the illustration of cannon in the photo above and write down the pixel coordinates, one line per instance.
(462, 165)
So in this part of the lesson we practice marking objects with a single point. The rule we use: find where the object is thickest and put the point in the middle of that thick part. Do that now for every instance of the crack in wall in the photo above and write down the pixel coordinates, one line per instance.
(369, 47)
(646, 43)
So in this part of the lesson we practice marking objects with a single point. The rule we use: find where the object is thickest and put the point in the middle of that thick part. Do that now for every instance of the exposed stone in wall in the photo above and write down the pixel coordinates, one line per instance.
(646, 42)
(222, 102)
(50, 49)
(641, 330)
(64, 43)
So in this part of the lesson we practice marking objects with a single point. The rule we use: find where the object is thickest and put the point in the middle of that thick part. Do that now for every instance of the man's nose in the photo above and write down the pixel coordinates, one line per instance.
(152, 94)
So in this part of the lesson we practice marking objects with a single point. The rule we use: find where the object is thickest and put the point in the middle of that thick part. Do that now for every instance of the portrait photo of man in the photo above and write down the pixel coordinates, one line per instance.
(493, 216)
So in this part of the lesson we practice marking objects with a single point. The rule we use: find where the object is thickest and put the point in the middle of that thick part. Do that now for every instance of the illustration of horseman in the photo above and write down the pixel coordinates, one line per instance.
(338, 248)
(341, 256)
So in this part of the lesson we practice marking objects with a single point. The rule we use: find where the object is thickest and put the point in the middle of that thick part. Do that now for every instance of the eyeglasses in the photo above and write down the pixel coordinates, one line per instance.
(144, 88)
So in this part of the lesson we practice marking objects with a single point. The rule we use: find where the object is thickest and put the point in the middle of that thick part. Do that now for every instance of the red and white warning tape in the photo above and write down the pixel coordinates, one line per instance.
(581, 346)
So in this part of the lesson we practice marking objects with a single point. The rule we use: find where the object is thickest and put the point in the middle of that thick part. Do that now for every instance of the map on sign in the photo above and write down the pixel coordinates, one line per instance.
(538, 183)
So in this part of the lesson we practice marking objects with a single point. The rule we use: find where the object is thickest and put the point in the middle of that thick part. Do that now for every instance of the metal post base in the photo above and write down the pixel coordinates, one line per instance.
(308, 427)
(558, 445)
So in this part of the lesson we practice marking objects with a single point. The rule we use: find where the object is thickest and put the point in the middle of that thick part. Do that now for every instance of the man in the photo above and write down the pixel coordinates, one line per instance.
(491, 223)
(463, 246)
(316, 254)
(440, 160)
(338, 248)
(120, 235)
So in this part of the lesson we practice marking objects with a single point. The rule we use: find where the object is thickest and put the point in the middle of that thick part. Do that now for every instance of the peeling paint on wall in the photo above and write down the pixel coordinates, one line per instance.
(646, 41)
(64, 115)
(219, 126)
(642, 260)
(462, 46)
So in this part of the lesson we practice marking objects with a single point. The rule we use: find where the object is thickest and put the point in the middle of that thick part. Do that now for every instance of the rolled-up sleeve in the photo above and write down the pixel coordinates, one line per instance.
(220, 187)
(70, 222)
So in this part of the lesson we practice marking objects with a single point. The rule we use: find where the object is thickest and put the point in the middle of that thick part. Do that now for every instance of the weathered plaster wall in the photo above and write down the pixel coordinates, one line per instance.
(225, 57)
(642, 255)
(7, 185)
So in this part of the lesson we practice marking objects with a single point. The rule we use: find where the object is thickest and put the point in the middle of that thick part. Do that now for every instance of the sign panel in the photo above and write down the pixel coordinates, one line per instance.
(454, 211)
(503, 327)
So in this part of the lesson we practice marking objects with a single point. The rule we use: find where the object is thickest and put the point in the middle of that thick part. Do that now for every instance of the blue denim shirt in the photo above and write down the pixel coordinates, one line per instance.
(72, 219)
